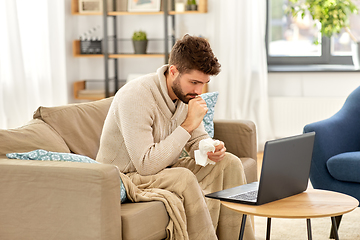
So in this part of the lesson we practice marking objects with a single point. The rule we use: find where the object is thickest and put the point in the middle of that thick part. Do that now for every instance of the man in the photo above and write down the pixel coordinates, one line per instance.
(153, 118)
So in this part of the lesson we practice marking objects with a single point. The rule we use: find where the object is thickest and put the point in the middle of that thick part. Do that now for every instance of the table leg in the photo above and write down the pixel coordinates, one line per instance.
(308, 224)
(335, 230)
(242, 228)
(268, 228)
(338, 220)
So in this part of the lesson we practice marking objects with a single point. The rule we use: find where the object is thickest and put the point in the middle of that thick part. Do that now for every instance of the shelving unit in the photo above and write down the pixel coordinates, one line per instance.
(80, 86)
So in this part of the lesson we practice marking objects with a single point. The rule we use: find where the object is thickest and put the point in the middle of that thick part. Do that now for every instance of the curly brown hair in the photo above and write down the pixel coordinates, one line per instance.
(194, 53)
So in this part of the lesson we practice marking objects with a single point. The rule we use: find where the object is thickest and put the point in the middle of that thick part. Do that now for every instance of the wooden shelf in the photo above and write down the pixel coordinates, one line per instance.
(76, 53)
(153, 13)
(134, 13)
(148, 55)
(137, 13)
(80, 92)
(186, 12)
(92, 95)
(87, 14)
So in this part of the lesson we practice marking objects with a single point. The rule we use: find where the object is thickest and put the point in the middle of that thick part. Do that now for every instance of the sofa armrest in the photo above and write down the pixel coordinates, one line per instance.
(239, 137)
(59, 200)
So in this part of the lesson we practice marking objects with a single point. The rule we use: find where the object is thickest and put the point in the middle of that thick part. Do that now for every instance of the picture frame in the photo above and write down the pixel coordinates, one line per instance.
(90, 6)
(144, 5)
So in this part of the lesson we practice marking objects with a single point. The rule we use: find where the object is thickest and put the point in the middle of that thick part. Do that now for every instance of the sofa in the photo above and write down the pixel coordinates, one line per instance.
(74, 200)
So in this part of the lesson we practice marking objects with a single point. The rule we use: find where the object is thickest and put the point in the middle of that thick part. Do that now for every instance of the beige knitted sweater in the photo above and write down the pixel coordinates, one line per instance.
(142, 131)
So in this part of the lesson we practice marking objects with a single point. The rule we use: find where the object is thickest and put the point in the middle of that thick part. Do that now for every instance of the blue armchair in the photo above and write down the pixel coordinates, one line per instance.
(336, 157)
(335, 163)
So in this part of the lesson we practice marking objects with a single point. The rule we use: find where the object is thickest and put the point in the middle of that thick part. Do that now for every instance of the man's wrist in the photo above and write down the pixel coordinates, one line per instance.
(188, 128)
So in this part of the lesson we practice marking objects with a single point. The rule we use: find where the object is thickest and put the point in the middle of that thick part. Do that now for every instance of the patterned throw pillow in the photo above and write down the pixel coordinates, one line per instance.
(210, 99)
(43, 155)
(184, 154)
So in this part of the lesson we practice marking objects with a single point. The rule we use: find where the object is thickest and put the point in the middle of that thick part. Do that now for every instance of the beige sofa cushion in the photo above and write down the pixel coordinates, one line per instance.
(239, 137)
(144, 220)
(34, 135)
(80, 125)
(250, 169)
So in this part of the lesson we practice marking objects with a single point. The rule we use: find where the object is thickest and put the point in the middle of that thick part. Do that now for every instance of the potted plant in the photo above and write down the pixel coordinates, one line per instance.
(140, 41)
(333, 16)
(191, 5)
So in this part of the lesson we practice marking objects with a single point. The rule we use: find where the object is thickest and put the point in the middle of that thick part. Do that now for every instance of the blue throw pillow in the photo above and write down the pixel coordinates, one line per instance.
(43, 155)
(210, 99)
(345, 166)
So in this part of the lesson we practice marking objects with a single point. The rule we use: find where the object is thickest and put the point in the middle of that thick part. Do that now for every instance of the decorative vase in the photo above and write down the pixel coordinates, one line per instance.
(179, 7)
(140, 46)
(355, 48)
(191, 7)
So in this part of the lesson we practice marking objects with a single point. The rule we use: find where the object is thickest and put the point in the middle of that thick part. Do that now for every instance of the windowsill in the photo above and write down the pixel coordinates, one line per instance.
(312, 68)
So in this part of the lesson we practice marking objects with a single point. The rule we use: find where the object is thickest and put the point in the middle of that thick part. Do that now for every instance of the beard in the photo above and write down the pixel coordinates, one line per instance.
(176, 87)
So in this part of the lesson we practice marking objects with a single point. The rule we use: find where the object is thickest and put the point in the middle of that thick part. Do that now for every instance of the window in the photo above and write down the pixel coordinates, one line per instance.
(290, 41)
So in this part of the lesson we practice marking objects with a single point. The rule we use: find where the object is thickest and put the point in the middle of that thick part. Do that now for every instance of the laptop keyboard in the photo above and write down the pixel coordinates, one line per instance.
(247, 196)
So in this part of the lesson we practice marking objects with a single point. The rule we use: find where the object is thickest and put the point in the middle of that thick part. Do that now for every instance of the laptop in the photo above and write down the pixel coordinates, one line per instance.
(285, 172)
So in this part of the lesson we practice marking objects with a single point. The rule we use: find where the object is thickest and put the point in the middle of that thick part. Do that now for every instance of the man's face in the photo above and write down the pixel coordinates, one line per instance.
(187, 86)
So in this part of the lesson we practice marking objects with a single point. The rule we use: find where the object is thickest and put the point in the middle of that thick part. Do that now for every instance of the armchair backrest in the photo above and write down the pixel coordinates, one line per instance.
(337, 134)
(351, 105)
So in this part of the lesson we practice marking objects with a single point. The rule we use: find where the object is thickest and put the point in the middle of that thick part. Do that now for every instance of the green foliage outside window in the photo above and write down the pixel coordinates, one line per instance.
(332, 14)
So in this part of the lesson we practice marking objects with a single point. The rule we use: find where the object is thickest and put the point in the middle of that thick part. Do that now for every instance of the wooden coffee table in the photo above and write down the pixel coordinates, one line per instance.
(312, 203)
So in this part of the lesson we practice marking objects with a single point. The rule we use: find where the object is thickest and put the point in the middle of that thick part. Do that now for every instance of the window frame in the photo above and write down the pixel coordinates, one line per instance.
(324, 59)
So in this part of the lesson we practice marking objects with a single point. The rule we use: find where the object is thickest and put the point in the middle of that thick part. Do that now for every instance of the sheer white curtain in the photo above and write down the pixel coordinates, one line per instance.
(32, 58)
(239, 43)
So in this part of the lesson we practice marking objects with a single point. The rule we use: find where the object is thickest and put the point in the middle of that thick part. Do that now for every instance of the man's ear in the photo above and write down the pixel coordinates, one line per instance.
(173, 70)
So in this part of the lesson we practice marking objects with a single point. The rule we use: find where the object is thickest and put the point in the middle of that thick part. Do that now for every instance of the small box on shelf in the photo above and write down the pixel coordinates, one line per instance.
(81, 93)
(90, 6)
(90, 47)
(94, 89)
(77, 51)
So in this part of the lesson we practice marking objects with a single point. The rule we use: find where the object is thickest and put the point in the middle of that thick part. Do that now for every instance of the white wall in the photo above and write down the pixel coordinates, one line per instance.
(326, 90)
(322, 84)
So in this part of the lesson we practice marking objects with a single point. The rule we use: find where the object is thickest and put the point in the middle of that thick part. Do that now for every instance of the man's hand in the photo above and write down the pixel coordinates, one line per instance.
(218, 154)
(197, 109)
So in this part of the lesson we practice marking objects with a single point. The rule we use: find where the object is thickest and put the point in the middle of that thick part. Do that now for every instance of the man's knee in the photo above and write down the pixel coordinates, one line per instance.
(183, 174)
(186, 184)
(234, 172)
(231, 161)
